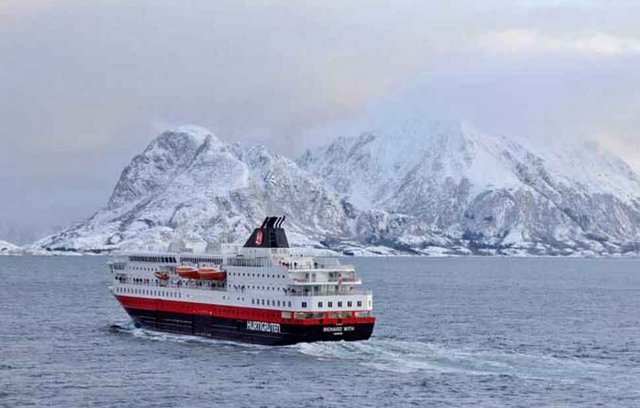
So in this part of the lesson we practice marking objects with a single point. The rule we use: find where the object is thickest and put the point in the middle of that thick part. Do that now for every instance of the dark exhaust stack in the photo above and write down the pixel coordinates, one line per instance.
(270, 234)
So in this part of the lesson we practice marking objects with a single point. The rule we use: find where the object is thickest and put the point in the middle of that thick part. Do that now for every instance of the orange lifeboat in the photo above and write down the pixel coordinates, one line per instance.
(211, 274)
(187, 272)
(163, 276)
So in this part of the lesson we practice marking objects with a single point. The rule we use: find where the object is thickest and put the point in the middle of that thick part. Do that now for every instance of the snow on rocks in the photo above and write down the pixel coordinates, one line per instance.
(413, 187)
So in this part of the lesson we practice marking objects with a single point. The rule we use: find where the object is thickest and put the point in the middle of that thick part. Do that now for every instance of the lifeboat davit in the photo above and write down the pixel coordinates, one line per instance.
(163, 276)
(211, 274)
(187, 272)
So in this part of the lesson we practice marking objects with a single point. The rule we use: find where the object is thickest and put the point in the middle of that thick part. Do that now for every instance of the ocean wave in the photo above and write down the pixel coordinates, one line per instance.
(412, 356)
(130, 329)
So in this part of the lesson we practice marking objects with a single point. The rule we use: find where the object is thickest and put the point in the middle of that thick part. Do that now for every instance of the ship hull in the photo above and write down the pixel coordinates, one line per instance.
(250, 331)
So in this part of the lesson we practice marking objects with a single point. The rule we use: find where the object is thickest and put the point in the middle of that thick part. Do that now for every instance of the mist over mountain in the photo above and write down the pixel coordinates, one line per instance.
(415, 187)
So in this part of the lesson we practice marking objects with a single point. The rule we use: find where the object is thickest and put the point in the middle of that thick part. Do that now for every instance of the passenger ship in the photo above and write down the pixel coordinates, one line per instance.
(258, 293)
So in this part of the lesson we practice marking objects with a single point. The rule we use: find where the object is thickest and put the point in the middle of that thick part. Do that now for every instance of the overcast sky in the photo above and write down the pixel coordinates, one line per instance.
(84, 85)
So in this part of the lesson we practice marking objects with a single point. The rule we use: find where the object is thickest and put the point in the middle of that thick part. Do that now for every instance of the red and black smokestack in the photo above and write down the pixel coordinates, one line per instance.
(270, 234)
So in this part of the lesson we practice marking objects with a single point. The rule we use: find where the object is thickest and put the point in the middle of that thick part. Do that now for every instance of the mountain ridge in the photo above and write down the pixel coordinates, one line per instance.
(416, 187)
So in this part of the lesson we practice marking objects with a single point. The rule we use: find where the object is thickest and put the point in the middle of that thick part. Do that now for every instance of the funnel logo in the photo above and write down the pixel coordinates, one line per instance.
(259, 236)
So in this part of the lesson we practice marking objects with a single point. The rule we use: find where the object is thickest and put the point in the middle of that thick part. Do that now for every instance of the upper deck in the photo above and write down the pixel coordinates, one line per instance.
(263, 272)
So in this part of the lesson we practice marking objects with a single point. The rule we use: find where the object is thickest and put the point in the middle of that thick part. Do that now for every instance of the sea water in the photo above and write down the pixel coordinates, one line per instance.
(449, 332)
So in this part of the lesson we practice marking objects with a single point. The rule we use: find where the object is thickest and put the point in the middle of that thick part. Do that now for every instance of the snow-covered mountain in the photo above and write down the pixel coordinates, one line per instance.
(187, 185)
(417, 187)
(484, 193)
(7, 248)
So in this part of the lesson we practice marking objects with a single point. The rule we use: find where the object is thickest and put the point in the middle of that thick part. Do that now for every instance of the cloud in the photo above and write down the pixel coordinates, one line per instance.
(85, 85)
(525, 40)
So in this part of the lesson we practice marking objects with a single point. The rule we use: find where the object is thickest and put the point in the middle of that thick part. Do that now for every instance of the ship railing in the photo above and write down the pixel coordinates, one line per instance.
(294, 292)
(181, 283)
(294, 263)
(307, 268)
(259, 262)
(332, 281)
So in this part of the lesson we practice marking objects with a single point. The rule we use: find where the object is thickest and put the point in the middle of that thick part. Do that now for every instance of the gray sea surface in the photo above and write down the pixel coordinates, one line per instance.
(480, 332)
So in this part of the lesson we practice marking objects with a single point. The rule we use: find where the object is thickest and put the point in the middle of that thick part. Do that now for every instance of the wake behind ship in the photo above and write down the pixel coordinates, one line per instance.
(258, 293)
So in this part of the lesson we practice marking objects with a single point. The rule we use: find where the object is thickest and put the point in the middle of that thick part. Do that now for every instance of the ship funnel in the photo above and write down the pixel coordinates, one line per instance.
(269, 235)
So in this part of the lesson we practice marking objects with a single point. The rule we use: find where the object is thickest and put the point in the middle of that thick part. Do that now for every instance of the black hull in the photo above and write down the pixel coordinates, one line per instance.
(275, 334)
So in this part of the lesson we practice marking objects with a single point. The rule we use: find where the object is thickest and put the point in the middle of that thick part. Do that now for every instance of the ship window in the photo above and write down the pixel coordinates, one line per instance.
(304, 304)
(359, 303)
(319, 304)
(349, 304)
(330, 304)
(262, 302)
(278, 303)
(289, 304)
(339, 304)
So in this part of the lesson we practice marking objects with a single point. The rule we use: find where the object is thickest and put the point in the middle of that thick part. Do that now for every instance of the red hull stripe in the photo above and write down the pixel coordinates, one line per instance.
(231, 312)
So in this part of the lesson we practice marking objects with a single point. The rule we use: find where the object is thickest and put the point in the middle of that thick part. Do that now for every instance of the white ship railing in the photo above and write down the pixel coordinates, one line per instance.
(310, 281)
(328, 293)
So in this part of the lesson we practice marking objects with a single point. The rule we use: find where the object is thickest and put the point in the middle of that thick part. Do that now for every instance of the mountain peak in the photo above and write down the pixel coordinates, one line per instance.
(164, 158)
(194, 134)
(198, 133)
